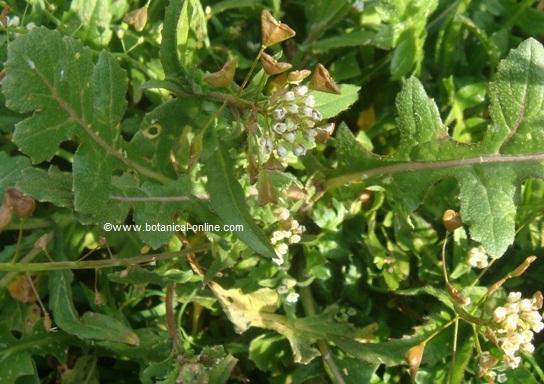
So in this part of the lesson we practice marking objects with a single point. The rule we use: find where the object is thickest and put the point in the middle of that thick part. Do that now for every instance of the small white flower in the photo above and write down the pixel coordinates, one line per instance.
(283, 214)
(290, 137)
(502, 378)
(299, 150)
(30, 26)
(511, 322)
(316, 115)
(301, 90)
(292, 297)
(279, 127)
(328, 128)
(282, 152)
(278, 235)
(292, 108)
(526, 336)
(529, 348)
(532, 317)
(279, 113)
(310, 101)
(537, 327)
(13, 21)
(282, 249)
(514, 297)
(278, 260)
(267, 145)
(478, 258)
(290, 124)
(282, 289)
(513, 361)
(312, 133)
(526, 305)
(499, 314)
(512, 307)
(289, 96)
(509, 348)
(294, 239)
(289, 282)
(294, 225)
(307, 111)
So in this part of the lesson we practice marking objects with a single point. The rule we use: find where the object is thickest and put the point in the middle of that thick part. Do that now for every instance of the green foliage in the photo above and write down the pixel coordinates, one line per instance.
(315, 229)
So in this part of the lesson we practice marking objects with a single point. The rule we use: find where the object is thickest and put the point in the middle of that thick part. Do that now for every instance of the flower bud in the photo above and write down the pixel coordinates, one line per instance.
(279, 127)
(273, 31)
(499, 314)
(290, 137)
(279, 113)
(299, 150)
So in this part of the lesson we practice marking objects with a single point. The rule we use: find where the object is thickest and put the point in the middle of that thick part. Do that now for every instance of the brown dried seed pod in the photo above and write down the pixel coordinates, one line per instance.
(267, 192)
(413, 358)
(43, 241)
(21, 290)
(23, 205)
(295, 77)
(273, 67)
(224, 76)
(366, 198)
(137, 18)
(6, 214)
(456, 295)
(520, 269)
(322, 81)
(451, 220)
(273, 31)
(538, 298)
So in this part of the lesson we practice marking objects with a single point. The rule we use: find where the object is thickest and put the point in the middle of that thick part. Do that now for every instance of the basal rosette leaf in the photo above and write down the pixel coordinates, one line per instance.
(488, 180)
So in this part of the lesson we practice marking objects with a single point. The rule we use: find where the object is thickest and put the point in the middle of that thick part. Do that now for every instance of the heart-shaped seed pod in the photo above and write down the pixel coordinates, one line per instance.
(274, 32)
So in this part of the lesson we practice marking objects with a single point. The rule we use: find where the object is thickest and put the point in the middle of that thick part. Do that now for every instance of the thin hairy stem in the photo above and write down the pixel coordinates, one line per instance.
(94, 264)
(415, 166)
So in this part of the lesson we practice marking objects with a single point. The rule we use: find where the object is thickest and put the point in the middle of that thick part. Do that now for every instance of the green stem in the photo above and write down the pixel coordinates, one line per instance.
(33, 223)
(94, 264)
(326, 354)
(308, 304)
(34, 252)
(415, 166)
(454, 349)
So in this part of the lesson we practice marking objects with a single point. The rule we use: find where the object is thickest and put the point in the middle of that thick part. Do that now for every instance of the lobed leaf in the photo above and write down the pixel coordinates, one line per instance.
(488, 191)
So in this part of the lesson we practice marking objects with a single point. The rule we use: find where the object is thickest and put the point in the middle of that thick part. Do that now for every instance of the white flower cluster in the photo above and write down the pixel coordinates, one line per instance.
(14, 21)
(294, 127)
(287, 289)
(478, 258)
(289, 233)
(517, 322)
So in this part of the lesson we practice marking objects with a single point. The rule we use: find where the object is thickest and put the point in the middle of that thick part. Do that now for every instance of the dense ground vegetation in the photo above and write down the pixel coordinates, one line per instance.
(365, 178)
